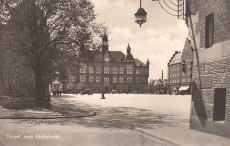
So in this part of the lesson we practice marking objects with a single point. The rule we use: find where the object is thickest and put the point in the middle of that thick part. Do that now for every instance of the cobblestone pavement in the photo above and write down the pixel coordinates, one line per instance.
(66, 132)
(110, 126)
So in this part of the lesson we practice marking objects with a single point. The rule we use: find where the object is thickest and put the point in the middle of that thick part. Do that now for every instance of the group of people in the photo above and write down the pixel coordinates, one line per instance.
(56, 93)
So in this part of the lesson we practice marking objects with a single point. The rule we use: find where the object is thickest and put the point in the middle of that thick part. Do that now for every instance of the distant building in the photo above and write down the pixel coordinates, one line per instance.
(158, 86)
(122, 72)
(209, 24)
(186, 66)
(180, 70)
(174, 72)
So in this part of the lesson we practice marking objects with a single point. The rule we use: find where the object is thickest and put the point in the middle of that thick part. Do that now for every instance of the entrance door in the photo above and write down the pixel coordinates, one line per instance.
(129, 89)
(106, 89)
(219, 104)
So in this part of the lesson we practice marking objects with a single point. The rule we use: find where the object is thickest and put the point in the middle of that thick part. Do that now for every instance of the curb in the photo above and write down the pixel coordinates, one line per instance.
(165, 141)
(56, 117)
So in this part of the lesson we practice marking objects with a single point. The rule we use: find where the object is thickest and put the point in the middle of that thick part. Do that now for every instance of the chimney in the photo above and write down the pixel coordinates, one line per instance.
(162, 75)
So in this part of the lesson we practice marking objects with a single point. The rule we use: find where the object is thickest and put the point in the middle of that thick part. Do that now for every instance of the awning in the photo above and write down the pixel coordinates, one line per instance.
(184, 88)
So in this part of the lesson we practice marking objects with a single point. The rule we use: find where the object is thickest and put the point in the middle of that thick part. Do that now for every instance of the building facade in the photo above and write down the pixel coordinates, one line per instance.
(186, 66)
(174, 72)
(180, 70)
(121, 72)
(209, 24)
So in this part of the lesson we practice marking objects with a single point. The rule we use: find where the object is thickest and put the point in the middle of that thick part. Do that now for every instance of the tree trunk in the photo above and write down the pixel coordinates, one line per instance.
(39, 87)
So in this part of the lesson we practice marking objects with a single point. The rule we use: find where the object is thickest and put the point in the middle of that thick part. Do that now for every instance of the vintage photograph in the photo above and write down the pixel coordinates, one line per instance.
(114, 72)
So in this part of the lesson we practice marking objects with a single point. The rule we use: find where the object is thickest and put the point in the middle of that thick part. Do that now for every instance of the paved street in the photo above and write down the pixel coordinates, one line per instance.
(120, 120)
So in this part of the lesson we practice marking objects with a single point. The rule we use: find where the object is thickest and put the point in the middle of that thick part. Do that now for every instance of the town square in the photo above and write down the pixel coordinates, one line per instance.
(115, 72)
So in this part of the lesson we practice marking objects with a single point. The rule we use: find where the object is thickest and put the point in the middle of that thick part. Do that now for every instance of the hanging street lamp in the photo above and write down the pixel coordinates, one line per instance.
(175, 9)
(140, 15)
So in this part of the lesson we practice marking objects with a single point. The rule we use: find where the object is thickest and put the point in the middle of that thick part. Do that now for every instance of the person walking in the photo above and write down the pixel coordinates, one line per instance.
(60, 93)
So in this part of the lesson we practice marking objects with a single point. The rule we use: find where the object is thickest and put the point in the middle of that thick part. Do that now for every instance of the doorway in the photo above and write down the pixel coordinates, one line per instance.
(129, 89)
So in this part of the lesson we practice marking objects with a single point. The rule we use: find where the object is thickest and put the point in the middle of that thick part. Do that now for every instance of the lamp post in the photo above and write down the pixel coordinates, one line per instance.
(104, 48)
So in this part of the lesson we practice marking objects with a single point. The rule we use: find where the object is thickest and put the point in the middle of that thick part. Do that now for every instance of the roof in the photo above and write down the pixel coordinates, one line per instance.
(176, 59)
(139, 63)
(118, 55)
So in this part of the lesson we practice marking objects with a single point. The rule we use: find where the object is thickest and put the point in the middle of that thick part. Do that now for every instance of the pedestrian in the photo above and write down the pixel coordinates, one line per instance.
(60, 93)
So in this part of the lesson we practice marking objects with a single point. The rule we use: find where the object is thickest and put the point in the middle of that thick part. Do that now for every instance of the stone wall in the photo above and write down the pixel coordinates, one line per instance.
(213, 74)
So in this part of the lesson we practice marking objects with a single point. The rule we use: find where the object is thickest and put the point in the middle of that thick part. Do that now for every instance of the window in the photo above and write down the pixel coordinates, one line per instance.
(129, 71)
(121, 79)
(219, 104)
(129, 79)
(137, 71)
(209, 30)
(91, 70)
(98, 71)
(106, 80)
(114, 79)
(137, 80)
(98, 79)
(106, 70)
(121, 70)
(90, 79)
(82, 78)
(183, 74)
(73, 78)
(82, 68)
(114, 70)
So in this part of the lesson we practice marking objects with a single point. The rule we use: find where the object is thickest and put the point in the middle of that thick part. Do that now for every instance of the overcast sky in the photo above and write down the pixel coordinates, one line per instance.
(156, 40)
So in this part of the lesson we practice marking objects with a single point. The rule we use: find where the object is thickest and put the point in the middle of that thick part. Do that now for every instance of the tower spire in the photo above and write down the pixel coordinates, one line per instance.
(128, 49)
(147, 63)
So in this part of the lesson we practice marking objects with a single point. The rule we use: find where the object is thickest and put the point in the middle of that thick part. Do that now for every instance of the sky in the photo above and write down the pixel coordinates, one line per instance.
(156, 40)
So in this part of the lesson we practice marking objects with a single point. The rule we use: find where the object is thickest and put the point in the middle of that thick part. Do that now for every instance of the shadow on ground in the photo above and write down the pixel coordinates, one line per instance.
(112, 117)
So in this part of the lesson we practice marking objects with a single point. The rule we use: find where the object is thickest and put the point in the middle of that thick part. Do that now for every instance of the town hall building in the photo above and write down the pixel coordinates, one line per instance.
(122, 72)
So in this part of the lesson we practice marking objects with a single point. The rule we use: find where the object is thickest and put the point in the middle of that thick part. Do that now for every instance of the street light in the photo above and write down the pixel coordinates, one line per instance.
(104, 48)
(141, 14)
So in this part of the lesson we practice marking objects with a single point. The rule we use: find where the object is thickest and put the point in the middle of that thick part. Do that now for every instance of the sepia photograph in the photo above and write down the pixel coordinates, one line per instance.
(114, 72)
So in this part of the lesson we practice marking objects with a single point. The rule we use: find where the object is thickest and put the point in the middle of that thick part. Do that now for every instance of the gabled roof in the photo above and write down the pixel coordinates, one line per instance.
(176, 59)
